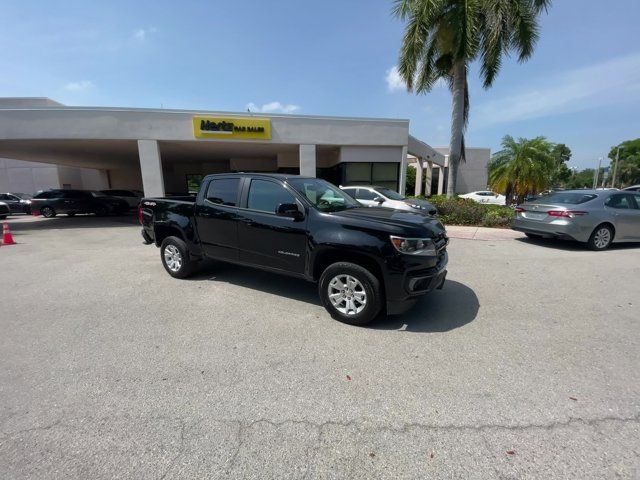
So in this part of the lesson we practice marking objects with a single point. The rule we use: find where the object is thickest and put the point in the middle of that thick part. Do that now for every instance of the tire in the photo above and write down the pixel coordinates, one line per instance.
(102, 211)
(175, 257)
(533, 236)
(47, 212)
(601, 238)
(360, 283)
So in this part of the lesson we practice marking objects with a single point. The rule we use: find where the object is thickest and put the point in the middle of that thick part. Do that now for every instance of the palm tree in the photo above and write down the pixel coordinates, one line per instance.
(442, 38)
(522, 167)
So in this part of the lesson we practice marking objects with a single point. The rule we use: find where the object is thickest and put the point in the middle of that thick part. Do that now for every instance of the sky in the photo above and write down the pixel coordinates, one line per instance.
(335, 57)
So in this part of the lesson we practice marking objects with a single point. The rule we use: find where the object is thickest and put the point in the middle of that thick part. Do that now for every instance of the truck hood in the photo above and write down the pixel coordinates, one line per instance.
(397, 222)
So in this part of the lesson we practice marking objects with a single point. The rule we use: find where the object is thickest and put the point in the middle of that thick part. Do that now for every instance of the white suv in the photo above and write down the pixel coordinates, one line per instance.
(374, 196)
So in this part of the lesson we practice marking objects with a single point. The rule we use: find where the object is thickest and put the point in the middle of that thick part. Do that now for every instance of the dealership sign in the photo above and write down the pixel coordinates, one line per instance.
(232, 128)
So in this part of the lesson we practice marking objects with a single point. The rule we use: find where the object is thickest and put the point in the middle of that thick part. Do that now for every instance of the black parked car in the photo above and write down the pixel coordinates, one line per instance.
(53, 202)
(17, 202)
(366, 260)
(4, 210)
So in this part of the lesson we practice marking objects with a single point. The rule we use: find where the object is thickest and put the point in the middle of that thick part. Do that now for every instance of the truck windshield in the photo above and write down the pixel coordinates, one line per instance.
(324, 196)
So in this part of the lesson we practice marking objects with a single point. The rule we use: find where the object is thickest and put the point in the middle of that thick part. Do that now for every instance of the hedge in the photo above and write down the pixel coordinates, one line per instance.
(464, 211)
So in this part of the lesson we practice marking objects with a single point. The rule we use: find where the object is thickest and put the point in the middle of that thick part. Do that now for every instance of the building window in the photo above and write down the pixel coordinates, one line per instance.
(369, 173)
(385, 175)
(193, 182)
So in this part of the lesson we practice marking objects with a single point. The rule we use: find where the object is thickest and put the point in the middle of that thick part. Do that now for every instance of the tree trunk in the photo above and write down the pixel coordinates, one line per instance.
(457, 124)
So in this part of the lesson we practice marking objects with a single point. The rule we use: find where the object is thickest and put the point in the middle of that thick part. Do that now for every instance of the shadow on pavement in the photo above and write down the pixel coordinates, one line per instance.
(571, 246)
(255, 279)
(25, 223)
(439, 311)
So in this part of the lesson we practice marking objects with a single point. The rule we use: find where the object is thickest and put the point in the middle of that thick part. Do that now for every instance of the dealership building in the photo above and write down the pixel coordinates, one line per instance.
(44, 144)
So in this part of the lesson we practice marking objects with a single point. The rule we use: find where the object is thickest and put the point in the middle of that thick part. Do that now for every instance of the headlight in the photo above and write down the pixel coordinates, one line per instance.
(28, 202)
(414, 246)
(419, 207)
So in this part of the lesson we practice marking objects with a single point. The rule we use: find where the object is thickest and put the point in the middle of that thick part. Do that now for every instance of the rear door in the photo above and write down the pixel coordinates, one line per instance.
(266, 239)
(74, 201)
(625, 215)
(217, 218)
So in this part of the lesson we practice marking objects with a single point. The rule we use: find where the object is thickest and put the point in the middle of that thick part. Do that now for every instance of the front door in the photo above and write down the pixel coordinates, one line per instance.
(265, 238)
(217, 219)
(367, 197)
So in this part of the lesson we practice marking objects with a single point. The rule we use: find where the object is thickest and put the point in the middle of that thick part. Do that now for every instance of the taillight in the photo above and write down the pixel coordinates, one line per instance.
(140, 214)
(566, 213)
(519, 209)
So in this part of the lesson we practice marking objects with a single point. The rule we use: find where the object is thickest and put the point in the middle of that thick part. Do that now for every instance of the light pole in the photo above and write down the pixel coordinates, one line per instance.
(615, 167)
(596, 174)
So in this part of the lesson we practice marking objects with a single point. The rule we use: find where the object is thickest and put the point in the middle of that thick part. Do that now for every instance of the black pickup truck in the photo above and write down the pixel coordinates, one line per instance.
(367, 260)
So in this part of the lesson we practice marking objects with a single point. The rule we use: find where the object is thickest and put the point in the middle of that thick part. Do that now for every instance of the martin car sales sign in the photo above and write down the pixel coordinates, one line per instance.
(232, 128)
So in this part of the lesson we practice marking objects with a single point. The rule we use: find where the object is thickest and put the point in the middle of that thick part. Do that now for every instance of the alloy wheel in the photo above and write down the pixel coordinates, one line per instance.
(173, 258)
(602, 237)
(347, 294)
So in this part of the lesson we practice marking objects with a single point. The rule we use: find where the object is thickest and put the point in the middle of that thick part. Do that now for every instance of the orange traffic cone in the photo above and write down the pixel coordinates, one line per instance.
(7, 239)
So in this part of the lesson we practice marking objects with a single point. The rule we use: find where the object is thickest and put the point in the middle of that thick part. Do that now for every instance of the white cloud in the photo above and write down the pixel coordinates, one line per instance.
(272, 107)
(81, 86)
(611, 82)
(143, 33)
(394, 80)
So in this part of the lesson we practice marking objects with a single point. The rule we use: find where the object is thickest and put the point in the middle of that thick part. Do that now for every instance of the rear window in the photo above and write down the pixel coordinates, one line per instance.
(568, 198)
(48, 194)
(223, 191)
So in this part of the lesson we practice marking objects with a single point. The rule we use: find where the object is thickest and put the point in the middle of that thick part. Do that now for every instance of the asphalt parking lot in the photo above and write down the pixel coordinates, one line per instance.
(526, 365)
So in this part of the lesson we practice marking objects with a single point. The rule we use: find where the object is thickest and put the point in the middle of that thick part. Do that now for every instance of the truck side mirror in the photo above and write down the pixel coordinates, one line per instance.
(289, 210)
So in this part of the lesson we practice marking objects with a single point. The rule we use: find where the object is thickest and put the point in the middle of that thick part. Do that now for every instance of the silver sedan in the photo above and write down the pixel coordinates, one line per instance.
(596, 217)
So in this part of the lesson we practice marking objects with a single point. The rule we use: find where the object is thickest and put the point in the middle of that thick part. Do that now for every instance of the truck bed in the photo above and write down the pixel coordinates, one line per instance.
(163, 211)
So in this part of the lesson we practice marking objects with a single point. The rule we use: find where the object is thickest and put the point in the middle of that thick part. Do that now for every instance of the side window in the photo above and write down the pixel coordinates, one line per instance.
(223, 191)
(266, 196)
(350, 191)
(4, 196)
(619, 201)
(74, 195)
(636, 197)
(365, 194)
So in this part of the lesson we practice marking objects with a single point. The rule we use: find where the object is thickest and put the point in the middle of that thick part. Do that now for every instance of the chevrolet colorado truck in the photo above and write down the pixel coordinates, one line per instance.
(367, 261)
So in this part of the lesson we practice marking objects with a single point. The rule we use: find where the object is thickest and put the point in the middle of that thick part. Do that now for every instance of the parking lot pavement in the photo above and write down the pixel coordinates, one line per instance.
(524, 366)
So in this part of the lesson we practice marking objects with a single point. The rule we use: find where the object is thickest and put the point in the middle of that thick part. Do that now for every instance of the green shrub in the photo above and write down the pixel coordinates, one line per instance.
(463, 211)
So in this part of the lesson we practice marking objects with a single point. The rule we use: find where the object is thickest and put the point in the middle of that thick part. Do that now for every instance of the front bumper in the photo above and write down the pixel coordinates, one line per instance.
(416, 281)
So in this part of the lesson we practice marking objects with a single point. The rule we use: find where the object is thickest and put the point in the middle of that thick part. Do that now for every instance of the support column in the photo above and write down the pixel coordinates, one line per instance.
(441, 181)
(151, 168)
(308, 160)
(419, 165)
(428, 178)
(402, 184)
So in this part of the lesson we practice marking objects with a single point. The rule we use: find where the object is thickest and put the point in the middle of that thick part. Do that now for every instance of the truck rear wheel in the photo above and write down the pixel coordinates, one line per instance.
(350, 293)
(175, 257)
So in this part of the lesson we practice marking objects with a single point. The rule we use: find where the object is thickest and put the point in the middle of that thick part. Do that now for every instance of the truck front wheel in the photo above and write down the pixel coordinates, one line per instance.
(175, 257)
(350, 293)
